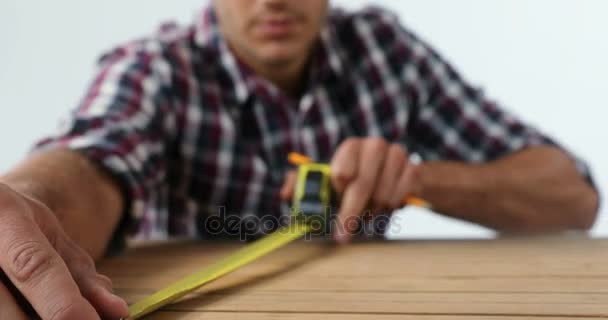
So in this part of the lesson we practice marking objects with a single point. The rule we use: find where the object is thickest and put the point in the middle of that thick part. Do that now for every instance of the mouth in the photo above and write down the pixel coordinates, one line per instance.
(276, 27)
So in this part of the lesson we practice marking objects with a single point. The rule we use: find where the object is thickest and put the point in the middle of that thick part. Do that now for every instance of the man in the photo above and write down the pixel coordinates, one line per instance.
(197, 122)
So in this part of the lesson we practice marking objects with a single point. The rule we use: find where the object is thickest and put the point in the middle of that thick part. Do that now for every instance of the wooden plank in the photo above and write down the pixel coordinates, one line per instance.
(573, 305)
(532, 277)
(176, 315)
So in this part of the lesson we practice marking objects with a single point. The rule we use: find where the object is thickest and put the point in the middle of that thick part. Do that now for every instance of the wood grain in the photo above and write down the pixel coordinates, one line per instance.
(512, 278)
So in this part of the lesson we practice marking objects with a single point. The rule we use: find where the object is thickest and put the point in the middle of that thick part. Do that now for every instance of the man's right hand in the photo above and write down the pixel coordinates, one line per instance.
(53, 273)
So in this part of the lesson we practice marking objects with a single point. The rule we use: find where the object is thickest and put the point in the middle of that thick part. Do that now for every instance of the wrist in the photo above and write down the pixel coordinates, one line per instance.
(446, 181)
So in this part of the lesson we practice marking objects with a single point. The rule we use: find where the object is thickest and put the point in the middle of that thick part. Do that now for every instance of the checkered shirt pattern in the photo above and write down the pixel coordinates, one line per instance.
(190, 132)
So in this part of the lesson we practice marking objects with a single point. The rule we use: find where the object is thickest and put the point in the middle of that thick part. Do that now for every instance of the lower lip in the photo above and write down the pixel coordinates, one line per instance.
(275, 29)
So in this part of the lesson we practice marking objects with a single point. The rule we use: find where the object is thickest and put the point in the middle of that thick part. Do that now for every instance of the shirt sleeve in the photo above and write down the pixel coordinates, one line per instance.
(451, 119)
(124, 125)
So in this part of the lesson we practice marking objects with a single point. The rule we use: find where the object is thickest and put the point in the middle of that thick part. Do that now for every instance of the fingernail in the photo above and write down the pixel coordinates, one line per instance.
(116, 298)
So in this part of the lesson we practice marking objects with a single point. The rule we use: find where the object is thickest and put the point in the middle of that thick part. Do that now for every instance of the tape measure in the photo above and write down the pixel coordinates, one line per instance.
(310, 209)
(218, 269)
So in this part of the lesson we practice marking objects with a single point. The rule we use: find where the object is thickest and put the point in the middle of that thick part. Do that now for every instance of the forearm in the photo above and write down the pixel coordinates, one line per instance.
(87, 203)
(537, 189)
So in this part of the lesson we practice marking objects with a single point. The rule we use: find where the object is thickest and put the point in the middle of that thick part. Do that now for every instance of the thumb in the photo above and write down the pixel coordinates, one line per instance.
(96, 288)
(288, 186)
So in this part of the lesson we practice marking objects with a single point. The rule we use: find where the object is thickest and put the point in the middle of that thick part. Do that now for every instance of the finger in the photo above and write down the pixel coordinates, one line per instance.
(35, 268)
(405, 185)
(393, 165)
(345, 163)
(96, 288)
(9, 309)
(288, 186)
(358, 193)
(105, 282)
(108, 305)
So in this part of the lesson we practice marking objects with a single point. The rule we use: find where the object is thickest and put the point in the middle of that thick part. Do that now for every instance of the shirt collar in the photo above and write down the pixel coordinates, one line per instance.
(326, 60)
(207, 35)
(328, 57)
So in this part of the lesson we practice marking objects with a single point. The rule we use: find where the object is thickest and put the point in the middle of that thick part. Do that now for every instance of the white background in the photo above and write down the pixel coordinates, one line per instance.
(544, 59)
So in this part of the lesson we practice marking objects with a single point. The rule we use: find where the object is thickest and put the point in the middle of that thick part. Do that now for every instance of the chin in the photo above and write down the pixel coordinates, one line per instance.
(281, 55)
(277, 61)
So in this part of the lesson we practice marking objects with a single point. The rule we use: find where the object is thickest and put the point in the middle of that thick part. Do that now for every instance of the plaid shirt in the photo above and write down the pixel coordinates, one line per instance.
(190, 132)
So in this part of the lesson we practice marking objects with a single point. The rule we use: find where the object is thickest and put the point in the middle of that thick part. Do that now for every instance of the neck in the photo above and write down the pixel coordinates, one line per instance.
(288, 76)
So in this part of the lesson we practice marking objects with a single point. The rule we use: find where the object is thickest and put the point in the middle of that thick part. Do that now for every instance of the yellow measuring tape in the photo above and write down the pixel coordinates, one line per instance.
(220, 268)
(306, 206)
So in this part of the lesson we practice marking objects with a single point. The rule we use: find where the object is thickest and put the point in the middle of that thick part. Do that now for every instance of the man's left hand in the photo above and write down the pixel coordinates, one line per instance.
(366, 173)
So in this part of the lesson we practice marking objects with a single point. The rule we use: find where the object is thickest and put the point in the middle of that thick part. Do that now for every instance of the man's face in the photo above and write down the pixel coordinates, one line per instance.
(271, 32)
